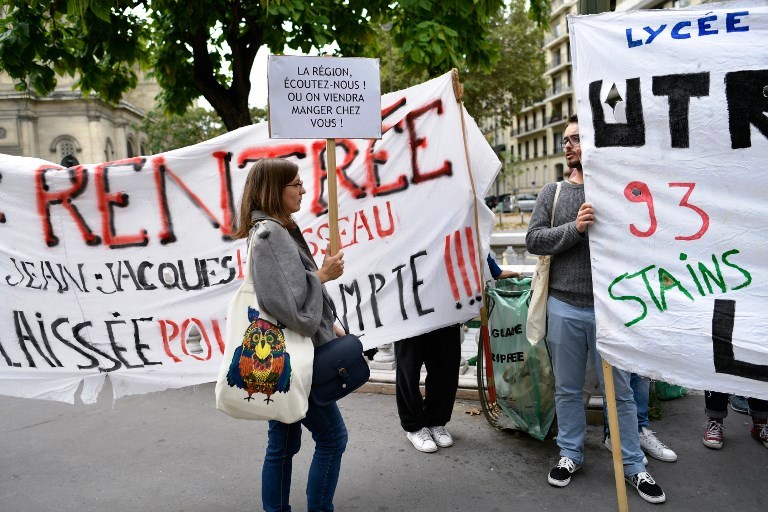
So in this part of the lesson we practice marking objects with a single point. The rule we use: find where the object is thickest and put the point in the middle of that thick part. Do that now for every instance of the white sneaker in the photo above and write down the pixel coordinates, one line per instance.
(608, 445)
(422, 440)
(441, 436)
(655, 448)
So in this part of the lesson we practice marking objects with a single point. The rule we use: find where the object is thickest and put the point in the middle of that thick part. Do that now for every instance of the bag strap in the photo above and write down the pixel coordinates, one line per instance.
(554, 204)
(247, 277)
(345, 326)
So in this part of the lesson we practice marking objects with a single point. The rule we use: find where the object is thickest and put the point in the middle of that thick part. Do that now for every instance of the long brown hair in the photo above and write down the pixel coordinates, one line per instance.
(264, 191)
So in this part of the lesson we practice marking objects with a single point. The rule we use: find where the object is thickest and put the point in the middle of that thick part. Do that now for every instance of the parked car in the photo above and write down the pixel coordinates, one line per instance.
(526, 202)
(491, 201)
(504, 204)
(522, 202)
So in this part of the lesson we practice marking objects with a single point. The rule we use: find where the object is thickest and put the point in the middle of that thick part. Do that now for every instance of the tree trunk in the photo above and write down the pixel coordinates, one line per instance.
(230, 103)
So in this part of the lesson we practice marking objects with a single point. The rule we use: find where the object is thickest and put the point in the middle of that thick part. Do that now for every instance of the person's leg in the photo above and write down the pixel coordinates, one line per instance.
(283, 442)
(758, 409)
(641, 388)
(568, 348)
(631, 454)
(641, 391)
(441, 358)
(716, 404)
(409, 356)
(716, 409)
(330, 436)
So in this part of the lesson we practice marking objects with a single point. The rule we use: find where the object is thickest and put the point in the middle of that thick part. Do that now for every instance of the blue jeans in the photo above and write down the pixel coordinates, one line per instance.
(571, 337)
(641, 391)
(284, 440)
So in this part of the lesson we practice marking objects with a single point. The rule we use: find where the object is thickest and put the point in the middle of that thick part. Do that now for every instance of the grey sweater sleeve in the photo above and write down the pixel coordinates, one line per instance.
(284, 287)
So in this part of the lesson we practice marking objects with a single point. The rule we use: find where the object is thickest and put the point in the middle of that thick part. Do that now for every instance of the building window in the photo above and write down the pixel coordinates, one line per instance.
(544, 146)
(535, 148)
(66, 148)
(129, 148)
(527, 148)
(557, 138)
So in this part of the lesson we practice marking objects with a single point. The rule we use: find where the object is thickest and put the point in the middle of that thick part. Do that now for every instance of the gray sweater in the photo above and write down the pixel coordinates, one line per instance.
(286, 282)
(570, 274)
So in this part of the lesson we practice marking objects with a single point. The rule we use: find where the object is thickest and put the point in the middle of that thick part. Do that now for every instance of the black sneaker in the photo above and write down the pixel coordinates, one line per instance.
(647, 487)
(560, 476)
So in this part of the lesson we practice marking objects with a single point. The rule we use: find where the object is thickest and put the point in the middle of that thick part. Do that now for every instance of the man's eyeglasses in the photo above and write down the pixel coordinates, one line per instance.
(299, 184)
(573, 139)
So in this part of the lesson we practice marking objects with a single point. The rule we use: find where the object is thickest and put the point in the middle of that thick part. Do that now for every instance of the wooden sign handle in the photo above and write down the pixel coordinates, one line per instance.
(333, 203)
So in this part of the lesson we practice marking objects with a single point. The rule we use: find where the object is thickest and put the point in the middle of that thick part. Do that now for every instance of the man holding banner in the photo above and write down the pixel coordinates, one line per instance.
(571, 332)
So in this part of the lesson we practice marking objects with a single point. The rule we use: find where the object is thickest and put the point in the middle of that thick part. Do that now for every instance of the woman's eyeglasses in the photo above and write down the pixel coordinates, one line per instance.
(299, 184)
(573, 139)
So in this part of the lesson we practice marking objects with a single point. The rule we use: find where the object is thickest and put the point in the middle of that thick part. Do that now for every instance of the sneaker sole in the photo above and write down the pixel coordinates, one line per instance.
(653, 499)
(558, 483)
(713, 446)
(646, 497)
(425, 450)
(661, 458)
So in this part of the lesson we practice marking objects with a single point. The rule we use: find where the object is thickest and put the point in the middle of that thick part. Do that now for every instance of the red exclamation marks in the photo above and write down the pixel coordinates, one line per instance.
(461, 266)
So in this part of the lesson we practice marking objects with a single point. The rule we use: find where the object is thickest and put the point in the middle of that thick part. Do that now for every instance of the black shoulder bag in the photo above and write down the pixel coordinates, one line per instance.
(339, 368)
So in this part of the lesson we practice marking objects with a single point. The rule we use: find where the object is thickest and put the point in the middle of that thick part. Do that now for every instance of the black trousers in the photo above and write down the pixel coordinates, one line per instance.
(716, 405)
(440, 352)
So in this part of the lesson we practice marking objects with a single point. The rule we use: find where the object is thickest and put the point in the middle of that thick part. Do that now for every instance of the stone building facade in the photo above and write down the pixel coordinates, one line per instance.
(67, 123)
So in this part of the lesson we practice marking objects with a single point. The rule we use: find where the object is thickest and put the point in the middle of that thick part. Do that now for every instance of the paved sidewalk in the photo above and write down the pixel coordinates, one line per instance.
(172, 451)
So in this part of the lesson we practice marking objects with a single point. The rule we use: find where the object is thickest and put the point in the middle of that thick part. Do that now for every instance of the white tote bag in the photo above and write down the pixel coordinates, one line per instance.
(536, 326)
(266, 370)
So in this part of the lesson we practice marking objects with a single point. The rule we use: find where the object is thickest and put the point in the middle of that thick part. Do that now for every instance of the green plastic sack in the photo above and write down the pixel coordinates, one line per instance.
(667, 391)
(525, 383)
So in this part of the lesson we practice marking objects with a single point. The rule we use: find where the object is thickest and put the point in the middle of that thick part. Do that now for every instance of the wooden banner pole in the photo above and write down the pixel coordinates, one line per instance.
(458, 91)
(333, 202)
(613, 426)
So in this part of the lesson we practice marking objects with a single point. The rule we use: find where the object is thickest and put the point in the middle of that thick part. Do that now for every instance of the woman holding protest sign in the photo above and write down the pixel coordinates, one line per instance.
(289, 286)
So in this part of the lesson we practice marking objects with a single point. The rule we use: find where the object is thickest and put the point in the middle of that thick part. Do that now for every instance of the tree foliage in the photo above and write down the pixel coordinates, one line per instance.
(207, 47)
(517, 77)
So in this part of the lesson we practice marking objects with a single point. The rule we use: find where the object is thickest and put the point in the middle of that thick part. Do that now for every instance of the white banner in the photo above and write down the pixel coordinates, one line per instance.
(674, 135)
(106, 269)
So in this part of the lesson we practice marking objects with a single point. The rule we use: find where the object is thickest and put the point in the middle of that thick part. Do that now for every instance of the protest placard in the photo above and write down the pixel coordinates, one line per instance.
(672, 108)
(324, 97)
